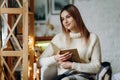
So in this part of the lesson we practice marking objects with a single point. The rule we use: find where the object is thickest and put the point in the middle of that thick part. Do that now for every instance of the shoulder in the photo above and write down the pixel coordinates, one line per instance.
(58, 37)
(93, 38)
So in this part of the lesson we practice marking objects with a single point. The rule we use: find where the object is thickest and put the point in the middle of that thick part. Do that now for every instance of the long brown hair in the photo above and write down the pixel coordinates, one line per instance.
(74, 12)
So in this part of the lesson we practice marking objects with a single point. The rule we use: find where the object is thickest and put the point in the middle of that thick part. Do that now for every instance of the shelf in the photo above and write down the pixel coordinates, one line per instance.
(43, 38)
(30, 13)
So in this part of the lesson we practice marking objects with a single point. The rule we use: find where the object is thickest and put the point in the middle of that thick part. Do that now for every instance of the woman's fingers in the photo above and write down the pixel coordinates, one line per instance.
(62, 57)
(65, 56)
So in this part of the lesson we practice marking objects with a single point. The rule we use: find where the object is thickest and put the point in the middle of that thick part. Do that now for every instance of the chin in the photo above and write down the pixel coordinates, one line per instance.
(69, 28)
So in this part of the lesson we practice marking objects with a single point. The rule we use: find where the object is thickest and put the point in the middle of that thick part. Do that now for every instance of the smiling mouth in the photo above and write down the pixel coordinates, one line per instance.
(67, 25)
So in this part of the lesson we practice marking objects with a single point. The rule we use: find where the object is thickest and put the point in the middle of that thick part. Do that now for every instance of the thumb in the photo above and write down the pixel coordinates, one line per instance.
(58, 52)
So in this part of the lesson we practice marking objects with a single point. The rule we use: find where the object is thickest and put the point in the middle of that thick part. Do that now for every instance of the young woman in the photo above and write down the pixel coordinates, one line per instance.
(74, 35)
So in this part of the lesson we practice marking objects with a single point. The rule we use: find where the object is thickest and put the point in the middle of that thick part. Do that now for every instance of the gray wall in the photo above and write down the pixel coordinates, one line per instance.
(103, 18)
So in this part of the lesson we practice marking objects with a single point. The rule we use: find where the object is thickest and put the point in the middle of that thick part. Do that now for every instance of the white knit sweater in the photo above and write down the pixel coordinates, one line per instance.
(90, 53)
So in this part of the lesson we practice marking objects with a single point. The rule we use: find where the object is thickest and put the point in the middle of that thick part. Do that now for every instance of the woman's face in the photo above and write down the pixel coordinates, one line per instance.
(68, 21)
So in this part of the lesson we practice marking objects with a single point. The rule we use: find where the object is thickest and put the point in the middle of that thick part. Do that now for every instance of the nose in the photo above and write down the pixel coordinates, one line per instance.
(66, 21)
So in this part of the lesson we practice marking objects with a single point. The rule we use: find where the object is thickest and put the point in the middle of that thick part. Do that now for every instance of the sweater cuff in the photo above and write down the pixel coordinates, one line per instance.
(74, 65)
(52, 58)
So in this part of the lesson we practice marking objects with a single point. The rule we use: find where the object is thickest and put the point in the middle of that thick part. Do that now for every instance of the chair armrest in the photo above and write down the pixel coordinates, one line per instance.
(104, 71)
(48, 72)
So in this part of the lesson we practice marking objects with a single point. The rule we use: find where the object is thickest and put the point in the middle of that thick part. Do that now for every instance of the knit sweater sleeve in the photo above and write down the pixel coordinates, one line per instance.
(94, 65)
(47, 57)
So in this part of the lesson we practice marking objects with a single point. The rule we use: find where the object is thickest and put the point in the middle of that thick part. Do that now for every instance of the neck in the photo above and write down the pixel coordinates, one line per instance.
(75, 30)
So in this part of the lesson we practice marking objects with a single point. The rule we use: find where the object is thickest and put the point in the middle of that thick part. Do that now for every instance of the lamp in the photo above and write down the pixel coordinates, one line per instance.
(50, 27)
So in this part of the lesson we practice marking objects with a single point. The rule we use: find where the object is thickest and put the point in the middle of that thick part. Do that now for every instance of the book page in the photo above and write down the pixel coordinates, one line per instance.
(55, 48)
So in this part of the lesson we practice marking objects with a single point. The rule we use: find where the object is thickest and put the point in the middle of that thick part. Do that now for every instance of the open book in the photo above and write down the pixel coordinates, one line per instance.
(75, 56)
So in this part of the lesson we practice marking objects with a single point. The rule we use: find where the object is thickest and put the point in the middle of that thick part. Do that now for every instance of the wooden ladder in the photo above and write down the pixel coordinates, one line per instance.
(22, 52)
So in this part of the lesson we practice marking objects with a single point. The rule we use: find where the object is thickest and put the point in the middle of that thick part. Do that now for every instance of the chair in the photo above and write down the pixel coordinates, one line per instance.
(105, 73)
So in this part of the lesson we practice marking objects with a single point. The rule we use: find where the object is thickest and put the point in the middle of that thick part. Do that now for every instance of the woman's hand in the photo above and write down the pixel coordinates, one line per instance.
(62, 57)
(66, 65)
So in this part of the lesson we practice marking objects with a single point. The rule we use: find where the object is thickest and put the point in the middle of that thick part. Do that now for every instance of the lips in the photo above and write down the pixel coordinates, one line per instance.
(67, 25)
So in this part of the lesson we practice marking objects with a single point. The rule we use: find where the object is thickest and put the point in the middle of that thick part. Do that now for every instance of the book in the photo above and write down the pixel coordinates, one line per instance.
(75, 55)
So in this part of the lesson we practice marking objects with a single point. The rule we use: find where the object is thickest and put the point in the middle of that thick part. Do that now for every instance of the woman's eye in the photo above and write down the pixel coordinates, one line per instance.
(68, 16)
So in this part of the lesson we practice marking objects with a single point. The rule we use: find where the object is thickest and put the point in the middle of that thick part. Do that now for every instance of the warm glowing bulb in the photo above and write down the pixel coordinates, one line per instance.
(30, 68)
(38, 71)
